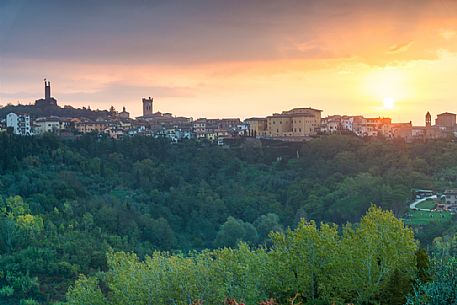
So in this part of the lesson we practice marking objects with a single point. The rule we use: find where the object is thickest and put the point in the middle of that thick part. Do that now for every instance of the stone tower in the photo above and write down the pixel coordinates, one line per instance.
(428, 120)
(147, 106)
(47, 90)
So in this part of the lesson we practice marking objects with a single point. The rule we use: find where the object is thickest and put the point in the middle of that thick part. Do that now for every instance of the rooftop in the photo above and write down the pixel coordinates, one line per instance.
(305, 108)
(446, 113)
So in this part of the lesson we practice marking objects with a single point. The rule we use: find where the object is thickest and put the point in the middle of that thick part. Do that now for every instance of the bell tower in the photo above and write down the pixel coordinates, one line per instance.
(148, 106)
(428, 120)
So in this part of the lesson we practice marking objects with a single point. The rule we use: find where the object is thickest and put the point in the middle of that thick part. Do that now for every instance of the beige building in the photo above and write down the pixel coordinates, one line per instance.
(124, 114)
(402, 131)
(298, 122)
(87, 127)
(331, 124)
(257, 127)
(429, 132)
(371, 127)
(446, 120)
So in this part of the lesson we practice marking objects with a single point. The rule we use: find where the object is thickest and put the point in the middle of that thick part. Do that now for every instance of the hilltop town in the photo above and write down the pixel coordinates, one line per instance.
(297, 124)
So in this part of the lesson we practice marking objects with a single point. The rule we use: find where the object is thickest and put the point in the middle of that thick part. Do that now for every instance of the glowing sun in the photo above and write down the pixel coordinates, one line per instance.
(389, 103)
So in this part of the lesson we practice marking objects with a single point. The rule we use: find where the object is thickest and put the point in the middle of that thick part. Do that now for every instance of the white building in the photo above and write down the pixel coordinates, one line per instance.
(347, 123)
(175, 134)
(336, 123)
(20, 123)
(242, 129)
(44, 125)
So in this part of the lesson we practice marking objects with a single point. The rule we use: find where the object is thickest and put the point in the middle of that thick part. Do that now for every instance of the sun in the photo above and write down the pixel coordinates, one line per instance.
(389, 103)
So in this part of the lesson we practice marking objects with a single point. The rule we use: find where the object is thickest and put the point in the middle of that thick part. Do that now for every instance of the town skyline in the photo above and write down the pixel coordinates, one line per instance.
(297, 124)
(234, 59)
(135, 109)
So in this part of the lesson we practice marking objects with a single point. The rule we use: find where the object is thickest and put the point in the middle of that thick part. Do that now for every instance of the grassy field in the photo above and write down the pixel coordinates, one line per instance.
(416, 218)
(427, 204)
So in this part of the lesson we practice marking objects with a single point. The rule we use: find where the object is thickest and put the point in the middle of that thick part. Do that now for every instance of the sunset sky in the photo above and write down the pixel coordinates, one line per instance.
(234, 58)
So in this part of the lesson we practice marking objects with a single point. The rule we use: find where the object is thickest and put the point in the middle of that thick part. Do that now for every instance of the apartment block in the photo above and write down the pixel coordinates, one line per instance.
(20, 123)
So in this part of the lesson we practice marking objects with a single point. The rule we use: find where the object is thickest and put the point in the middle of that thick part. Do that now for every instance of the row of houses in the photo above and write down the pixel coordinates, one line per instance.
(445, 126)
(291, 125)
(296, 124)
(117, 126)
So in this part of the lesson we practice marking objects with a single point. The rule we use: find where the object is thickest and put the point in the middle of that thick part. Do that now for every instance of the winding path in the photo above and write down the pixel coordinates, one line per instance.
(412, 206)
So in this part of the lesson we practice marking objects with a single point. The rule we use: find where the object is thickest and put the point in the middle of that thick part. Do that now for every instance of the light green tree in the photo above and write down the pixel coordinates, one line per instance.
(85, 291)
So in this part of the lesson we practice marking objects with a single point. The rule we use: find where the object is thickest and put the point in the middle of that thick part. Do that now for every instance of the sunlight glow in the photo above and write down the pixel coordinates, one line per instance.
(389, 103)
(387, 86)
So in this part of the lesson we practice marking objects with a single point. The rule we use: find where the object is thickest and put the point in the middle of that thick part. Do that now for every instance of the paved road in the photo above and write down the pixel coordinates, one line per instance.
(412, 206)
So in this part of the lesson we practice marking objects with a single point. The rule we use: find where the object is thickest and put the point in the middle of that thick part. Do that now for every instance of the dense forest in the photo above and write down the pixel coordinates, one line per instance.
(108, 209)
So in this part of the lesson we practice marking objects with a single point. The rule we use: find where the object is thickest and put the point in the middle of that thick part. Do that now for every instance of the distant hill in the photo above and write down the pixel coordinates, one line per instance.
(43, 110)
(47, 106)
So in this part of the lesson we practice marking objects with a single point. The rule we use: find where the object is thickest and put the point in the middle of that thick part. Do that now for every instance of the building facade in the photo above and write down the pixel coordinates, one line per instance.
(450, 200)
(446, 120)
(44, 125)
(257, 127)
(298, 122)
(91, 126)
(124, 114)
(20, 123)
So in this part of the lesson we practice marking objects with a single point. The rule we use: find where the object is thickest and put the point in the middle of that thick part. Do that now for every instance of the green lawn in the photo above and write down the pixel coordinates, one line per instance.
(422, 217)
(427, 204)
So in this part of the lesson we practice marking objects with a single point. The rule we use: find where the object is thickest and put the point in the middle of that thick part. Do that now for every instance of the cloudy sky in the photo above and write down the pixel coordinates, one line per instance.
(234, 58)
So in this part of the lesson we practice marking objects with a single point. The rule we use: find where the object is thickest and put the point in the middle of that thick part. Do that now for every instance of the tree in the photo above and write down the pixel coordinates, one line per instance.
(235, 230)
(443, 288)
(266, 224)
(301, 261)
(85, 291)
(158, 232)
(370, 255)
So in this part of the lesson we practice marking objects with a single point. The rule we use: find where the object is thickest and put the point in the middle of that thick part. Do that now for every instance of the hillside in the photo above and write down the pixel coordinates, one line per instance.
(53, 110)
(65, 204)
